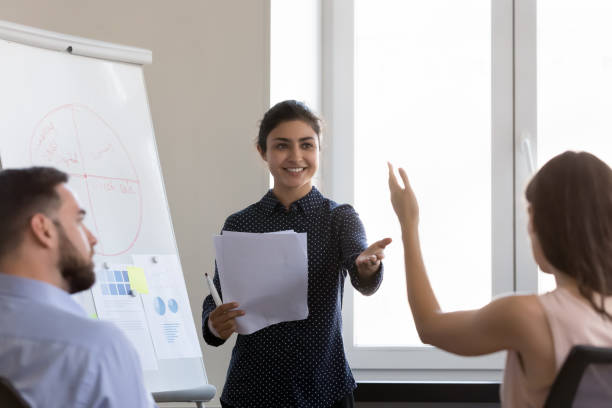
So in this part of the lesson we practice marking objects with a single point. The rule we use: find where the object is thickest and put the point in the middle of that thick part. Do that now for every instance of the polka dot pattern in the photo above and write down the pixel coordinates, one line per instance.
(299, 363)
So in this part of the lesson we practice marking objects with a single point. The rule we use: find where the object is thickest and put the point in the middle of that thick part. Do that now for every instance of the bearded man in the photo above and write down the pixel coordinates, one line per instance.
(51, 352)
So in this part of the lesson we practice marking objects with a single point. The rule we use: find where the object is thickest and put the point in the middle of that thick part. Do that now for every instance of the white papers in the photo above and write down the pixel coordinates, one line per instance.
(267, 274)
(167, 307)
(148, 302)
(114, 303)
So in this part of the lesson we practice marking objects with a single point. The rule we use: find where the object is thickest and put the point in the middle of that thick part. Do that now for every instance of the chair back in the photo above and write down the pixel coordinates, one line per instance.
(585, 379)
(9, 396)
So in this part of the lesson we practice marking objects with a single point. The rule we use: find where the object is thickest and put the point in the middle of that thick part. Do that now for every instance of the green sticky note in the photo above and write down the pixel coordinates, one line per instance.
(138, 281)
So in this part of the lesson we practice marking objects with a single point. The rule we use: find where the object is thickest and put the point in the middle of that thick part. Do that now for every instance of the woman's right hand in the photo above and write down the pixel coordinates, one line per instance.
(403, 200)
(223, 319)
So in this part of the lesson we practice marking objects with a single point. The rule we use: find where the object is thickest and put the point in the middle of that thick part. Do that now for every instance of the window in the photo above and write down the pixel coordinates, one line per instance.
(295, 52)
(419, 82)
(411, 109)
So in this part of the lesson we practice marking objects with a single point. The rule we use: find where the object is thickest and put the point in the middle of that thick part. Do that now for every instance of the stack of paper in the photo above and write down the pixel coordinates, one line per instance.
(267, 274)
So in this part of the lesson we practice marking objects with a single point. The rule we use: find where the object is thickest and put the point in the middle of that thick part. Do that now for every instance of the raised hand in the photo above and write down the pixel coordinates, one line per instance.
(403, 200)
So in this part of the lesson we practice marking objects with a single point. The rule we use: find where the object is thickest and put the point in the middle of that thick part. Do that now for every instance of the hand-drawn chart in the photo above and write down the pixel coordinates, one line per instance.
(75, 139)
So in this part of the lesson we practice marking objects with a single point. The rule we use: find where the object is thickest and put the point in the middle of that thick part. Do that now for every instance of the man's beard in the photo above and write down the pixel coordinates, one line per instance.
(76, 270)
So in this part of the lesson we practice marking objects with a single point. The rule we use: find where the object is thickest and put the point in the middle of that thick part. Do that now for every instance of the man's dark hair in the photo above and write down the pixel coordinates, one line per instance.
(24, 193)
(571, 201)
(286, 111)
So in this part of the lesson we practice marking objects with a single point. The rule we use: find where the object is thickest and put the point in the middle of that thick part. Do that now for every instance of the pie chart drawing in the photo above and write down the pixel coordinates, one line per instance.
(160, 306)
(78, 141)
(173, 305)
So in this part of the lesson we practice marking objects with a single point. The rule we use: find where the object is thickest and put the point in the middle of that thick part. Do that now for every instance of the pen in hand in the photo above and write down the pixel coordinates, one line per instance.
(213, 290)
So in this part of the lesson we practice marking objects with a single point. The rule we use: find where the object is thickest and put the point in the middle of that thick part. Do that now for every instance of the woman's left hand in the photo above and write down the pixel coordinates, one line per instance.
(368, 262)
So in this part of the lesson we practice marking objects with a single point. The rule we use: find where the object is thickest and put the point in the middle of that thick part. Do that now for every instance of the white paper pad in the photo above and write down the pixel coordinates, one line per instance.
(125, 311)
(267, 274)
(167, 307)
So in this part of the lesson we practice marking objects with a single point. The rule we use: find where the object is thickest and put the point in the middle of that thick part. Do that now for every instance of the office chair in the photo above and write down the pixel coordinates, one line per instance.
(585, 379)
(9, 396)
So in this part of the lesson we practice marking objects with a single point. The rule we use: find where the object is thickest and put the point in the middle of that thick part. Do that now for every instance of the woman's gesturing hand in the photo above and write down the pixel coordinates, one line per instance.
(368, 262)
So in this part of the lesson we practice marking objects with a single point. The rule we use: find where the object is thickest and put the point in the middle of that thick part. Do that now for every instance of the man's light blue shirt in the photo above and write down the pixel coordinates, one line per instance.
(56, 356)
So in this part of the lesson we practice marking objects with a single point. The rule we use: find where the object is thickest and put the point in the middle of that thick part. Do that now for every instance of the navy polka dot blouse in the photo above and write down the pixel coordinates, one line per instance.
(299, 363)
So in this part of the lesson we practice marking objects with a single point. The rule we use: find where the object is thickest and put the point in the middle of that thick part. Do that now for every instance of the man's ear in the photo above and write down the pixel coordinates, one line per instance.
(42, 230)
(262, 153)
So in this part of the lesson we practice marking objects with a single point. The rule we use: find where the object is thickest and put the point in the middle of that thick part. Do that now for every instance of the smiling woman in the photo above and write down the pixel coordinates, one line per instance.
(293, 159)
(297, 363)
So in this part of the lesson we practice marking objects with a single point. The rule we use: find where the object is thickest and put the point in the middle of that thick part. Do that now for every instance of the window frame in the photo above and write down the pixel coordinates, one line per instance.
(525, 145)
(512, 84)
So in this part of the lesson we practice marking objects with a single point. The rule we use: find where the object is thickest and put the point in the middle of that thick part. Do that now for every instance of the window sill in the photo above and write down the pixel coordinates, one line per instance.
(368, 391)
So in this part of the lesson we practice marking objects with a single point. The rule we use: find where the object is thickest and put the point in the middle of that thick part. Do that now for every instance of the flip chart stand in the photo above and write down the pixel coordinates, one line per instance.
(198, 395)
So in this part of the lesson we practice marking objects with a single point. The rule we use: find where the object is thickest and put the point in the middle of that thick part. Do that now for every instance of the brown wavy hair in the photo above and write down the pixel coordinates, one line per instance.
(286, 111)
(571, 200)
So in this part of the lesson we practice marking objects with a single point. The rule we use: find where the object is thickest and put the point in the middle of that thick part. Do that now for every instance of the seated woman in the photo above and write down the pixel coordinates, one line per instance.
(570, 225)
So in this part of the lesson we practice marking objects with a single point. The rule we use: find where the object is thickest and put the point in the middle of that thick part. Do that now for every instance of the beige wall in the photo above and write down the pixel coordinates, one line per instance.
(208, 86)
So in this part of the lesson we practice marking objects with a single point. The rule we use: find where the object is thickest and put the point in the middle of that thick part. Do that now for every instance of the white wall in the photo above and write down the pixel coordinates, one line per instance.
(208, 87)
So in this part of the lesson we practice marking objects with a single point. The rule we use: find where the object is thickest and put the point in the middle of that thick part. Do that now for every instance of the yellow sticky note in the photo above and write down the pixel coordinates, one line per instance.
(138, 281)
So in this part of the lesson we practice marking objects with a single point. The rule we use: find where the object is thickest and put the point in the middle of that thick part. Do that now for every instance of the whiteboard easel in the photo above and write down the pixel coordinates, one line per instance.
(81, 106)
